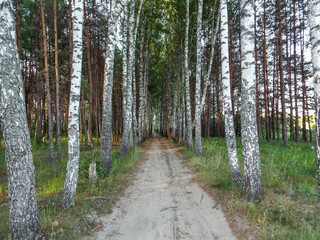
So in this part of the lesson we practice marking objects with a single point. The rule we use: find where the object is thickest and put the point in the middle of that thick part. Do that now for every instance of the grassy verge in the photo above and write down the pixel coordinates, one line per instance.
(290, 209)
(75, 222)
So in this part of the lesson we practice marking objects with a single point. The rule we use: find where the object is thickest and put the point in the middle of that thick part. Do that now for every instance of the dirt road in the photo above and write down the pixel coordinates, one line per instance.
(164, 202)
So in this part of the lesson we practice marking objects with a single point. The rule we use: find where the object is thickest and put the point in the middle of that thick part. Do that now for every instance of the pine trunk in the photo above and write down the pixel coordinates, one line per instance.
(47, 85)
(57, 76)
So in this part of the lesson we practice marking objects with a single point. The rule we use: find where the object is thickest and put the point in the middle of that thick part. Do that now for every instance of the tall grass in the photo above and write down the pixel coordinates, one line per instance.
(50, 176)
(290, 209)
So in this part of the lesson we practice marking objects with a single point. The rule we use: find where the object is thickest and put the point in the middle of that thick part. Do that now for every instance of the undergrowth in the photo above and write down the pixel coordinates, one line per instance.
(50, 176)
(290, 209)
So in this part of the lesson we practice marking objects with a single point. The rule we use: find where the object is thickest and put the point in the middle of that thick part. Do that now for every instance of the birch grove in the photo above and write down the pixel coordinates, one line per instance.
(70, 184)
(24, 217)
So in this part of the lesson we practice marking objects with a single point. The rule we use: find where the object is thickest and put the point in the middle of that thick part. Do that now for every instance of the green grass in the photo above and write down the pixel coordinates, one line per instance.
(50, 177)
(290, 209)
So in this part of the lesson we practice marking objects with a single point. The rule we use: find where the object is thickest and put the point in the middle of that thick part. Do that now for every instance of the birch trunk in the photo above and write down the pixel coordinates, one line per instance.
(134, 91)
(106, 137)
(24, 218)
(197, 117)
(57, 76)
(252, 187)
(125, 135)
(70, 184)
(186, 68)
(141, 87)
(130, 71)
(47, 85)
(314, 23)
(228, 114)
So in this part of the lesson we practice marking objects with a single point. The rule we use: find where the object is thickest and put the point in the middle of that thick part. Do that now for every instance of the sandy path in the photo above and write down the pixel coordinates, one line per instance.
(164, 202)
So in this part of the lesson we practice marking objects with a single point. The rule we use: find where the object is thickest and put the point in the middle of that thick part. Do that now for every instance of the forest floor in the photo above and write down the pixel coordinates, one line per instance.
(164, 201)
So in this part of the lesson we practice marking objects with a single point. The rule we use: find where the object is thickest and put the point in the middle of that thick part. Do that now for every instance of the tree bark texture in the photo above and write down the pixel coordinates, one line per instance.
(106, 133)
(198, 146)
(228, 114)
(70, 184)
(186, 68)
(252, 187)
(24, 217)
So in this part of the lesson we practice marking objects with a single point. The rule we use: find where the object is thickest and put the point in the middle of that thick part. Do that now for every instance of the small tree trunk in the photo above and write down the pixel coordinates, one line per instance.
(47, 85)
(57, 76)
(186, 68)
(296, 136)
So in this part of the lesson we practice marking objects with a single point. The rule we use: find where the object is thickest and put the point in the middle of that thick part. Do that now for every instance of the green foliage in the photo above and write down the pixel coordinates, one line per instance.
(50, 177)
(290, 209)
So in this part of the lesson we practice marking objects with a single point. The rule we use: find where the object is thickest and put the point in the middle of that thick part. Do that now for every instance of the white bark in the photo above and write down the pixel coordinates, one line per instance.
(230, 134)
(24, 217)
(70, 185)
(197, 117)
(252, 187)
(130, 67)
(134, 103)
(106, 133)
(141, 88)
(314, 23)
(186, 68)
(125, 135)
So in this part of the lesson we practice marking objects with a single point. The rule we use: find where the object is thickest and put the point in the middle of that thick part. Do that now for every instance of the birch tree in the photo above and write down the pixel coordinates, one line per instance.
(125, 135)
(106, 133)
(24, 217)
(228, 115)
(141, 87)
(186, 68)
(198, 146)
(134, 93)
(314, 23)
(70, 184)
(252, 187)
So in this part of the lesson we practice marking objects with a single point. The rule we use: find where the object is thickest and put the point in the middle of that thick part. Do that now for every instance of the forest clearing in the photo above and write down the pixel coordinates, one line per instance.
(159, 119)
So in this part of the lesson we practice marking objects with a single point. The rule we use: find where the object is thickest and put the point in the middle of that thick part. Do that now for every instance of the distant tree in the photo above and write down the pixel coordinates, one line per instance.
(24, 217)
(186, 69)
(47, 85)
